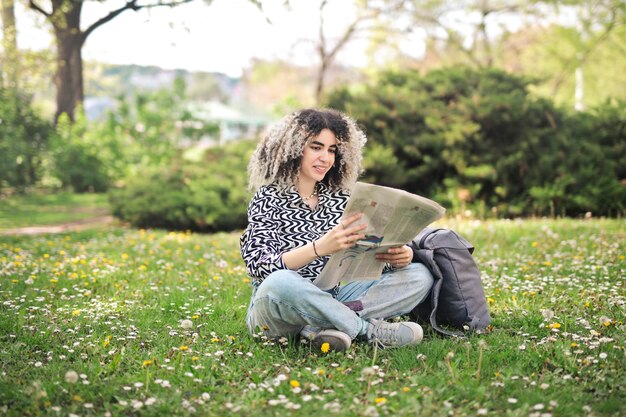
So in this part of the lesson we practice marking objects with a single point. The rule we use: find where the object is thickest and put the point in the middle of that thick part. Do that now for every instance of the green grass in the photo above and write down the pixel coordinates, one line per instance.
(50, 209)
(108, 304)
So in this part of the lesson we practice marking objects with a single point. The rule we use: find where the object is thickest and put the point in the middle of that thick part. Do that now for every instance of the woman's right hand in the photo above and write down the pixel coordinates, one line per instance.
(342, 236)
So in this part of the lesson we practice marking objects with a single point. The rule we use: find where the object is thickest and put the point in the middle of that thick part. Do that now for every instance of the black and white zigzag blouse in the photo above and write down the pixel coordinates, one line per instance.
(279, 220)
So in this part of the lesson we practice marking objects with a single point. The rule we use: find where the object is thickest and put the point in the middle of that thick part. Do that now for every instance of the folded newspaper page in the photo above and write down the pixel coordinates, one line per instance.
(393, 217)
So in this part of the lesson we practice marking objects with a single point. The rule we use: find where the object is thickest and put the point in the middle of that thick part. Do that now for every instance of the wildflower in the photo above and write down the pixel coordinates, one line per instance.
(71, 377)
(294, 383)
(147, 362)
(547, 314)
(184, 348)
(406, 389)
(325, 347)
(75, 312)
(380, 400)
(186, 324)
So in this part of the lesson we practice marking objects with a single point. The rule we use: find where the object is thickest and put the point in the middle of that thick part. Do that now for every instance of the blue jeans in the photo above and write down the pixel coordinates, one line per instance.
(285, 301)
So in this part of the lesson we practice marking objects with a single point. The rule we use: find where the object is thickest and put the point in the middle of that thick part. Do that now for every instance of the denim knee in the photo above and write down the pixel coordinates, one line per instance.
(281, 285)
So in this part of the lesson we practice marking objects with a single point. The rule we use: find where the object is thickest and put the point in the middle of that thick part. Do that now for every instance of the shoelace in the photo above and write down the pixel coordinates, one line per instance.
(384, 333)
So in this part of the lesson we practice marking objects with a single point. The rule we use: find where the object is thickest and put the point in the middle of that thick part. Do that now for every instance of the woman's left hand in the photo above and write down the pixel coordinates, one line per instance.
(397, 256)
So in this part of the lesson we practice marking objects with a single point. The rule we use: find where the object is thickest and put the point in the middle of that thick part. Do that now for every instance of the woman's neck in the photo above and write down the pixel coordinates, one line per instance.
(306, 189)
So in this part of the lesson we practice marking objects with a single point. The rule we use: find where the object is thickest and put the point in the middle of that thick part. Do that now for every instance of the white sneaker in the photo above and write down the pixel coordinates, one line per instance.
(326, 340)
(386, 334)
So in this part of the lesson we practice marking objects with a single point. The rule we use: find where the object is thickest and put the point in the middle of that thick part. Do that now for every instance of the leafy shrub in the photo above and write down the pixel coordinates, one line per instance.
(477, 139)
(23, 141)
(208, 196)
(76, 161)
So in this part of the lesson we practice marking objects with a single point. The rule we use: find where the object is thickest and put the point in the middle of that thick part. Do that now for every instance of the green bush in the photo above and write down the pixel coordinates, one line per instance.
(476, 139)
(23, 141)
(208, 196)
(76, 161)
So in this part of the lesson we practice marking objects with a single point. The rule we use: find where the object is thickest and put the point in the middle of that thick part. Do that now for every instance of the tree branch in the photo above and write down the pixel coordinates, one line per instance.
(36, 8)
(130, 5)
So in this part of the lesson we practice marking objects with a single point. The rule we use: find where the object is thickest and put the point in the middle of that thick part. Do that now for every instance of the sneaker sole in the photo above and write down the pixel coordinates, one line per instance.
(337, 341)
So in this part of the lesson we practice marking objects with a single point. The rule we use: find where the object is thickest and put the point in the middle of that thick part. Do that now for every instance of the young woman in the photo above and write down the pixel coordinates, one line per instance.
(302, 172)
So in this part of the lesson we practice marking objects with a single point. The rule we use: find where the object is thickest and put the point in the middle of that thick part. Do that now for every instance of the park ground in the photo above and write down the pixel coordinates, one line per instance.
(114, 321)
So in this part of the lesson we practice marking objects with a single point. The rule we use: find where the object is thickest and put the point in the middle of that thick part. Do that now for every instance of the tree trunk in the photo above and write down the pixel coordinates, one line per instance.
(10, 67)
(68, 79)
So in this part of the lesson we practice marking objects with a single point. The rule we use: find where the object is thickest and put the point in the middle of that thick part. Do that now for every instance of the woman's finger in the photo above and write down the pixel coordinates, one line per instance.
(350, 219)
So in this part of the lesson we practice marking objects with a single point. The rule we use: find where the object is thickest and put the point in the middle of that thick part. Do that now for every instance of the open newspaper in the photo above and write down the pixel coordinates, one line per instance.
(393, 217)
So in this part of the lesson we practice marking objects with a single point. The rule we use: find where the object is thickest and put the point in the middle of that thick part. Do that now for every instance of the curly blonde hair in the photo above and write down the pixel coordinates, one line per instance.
(276, 159)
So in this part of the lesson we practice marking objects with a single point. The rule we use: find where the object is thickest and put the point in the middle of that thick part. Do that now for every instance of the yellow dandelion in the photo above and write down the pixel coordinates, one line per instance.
(184, 348)
(490, 300)
(215, 339)
(321, 372)
(75, 312)
(380, 400)
(195, 316)
(547, 263)
(325, 347)
(534, 244)
(54, 280)
(246, 280)
(106, 342)
(294, 383)
(574, 344)
(194, 358)
(406, 389)
(147, 362)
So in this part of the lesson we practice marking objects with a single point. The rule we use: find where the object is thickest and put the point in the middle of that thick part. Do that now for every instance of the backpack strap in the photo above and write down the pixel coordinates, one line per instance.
(426, 256)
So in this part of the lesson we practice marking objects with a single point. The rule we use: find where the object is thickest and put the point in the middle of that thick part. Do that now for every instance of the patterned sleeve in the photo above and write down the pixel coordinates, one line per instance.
(260, 244)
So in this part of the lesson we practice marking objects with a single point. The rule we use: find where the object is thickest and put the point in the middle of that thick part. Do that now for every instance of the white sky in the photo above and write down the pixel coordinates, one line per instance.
(222, 37)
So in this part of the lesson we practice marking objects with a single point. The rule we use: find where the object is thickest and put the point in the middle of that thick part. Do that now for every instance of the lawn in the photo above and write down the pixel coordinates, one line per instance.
(123, 322)
(47, 209)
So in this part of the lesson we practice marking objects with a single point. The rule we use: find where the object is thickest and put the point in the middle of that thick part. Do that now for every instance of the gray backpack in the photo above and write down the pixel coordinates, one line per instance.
(457, 298)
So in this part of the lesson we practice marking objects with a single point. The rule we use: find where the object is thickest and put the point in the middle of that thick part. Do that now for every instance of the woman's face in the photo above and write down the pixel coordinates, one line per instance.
(318, 156)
